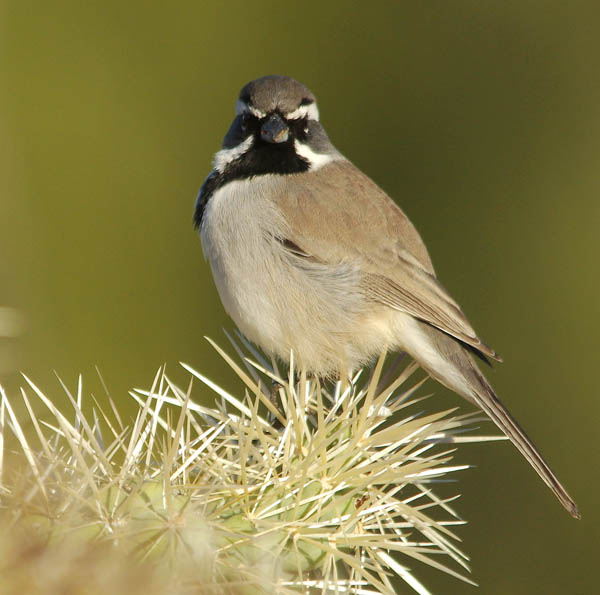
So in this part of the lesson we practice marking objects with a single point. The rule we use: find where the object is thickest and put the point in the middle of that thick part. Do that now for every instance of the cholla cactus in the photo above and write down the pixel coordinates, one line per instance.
(294, 487)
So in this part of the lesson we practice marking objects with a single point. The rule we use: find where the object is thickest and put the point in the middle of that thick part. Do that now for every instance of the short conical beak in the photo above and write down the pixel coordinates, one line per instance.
(274, 130)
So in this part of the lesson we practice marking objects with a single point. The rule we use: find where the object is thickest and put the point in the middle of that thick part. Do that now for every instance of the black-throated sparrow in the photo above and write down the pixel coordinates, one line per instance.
(309, 254)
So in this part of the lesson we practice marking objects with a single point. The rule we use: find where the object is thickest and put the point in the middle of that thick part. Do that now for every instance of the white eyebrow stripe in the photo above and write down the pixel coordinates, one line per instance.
(225, 156)
(310, 111)
(242, 107)
(315, 160)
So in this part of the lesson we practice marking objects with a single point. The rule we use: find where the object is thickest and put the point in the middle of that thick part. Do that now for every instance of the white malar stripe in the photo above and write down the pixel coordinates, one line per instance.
(225, 156)
(316, 160)
(310, 111)
(241, 107)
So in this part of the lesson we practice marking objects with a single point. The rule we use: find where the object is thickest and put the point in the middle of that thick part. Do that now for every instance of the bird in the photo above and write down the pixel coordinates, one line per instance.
(309, 255)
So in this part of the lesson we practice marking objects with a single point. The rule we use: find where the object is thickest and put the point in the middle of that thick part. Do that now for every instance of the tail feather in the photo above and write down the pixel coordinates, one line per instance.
(454, 367)
(487, 400)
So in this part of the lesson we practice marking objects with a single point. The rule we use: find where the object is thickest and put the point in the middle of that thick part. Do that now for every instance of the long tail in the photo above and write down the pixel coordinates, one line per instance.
(476, 389)
(487, 400)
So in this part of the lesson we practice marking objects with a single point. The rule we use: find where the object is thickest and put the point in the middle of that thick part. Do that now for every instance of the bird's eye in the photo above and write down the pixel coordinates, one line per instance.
(246, 118)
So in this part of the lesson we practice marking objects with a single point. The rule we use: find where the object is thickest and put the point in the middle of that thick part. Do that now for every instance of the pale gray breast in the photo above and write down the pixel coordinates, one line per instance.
(279, 299)
(235, 239)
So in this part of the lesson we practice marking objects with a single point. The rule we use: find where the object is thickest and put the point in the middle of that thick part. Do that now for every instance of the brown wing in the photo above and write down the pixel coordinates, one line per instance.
(420, 294)
(341, 215)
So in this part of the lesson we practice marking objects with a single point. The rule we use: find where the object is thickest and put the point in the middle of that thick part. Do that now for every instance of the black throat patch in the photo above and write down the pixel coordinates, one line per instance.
(260, 159)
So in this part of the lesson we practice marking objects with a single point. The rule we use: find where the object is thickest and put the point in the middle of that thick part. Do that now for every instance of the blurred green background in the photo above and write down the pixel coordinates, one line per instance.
(482, 119)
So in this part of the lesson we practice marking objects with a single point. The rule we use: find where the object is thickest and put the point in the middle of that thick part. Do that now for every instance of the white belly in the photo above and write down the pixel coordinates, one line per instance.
(280, 301)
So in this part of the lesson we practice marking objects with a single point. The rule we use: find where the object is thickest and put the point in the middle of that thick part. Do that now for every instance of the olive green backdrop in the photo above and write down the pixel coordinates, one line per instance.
(482, 119)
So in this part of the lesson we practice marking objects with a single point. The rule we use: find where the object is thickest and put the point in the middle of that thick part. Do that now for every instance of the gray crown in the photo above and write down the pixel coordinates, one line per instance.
(276, 92)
